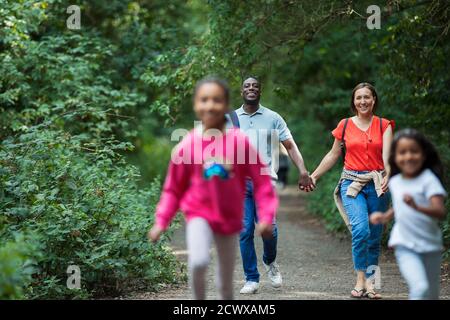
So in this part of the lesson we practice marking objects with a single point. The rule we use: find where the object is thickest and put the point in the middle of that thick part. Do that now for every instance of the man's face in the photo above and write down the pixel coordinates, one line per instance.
(251, 91)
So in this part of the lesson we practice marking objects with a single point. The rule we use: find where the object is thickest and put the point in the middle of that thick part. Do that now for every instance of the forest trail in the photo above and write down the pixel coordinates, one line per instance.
(314, 263)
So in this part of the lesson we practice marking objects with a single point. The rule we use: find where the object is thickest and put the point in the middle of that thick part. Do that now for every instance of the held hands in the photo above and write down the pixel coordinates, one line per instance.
(154, 234)
(306, 183)
(265, 230)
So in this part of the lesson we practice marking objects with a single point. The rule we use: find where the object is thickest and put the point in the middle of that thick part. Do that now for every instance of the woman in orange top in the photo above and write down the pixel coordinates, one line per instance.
(366, 144)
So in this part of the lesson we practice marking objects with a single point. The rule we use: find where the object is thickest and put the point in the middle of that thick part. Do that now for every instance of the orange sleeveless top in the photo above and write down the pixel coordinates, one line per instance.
(363, 148)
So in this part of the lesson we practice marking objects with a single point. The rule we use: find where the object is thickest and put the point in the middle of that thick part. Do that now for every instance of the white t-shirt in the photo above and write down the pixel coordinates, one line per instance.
(413, 229)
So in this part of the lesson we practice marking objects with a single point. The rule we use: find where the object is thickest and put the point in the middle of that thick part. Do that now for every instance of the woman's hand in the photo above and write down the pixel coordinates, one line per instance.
(155, 233)
(314, 180)
(265, 230)
(410, 201)
(377, 218)
(312, 185)
(384, 184)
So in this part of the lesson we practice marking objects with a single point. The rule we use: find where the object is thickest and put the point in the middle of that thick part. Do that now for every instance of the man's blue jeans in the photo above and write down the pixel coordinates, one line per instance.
(366, 237)
(246, 241)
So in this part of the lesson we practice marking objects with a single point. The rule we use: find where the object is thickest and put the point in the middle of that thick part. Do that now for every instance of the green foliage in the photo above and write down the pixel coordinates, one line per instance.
(16, 266)
(240, 38)
(85, 209)
(67, 108)
(79, 106)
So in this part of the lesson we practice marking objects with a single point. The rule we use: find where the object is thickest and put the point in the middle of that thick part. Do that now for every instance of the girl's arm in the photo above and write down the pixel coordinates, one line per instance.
(435, 210)
(174, 187)
(382, 217)
(388, 215)
(328, 161)
(176, 183)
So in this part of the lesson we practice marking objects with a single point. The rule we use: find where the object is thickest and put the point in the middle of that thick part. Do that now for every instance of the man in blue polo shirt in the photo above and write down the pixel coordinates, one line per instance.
(263, 126)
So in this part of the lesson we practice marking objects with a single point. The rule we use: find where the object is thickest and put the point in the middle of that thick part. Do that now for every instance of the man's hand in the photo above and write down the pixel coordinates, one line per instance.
(410, 201)
(155, 233)
(305, 183)
(265, 230)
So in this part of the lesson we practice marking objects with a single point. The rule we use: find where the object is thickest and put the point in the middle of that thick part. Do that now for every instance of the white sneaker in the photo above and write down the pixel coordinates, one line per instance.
(274, 274)
(249, 287)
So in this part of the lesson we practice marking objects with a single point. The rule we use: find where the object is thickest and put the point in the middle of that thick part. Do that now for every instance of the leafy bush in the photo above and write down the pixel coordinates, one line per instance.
(64, 130)
(85, 209)
(16, 267)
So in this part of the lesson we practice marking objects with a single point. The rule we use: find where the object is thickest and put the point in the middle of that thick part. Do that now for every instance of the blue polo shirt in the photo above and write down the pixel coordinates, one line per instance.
(265, 129)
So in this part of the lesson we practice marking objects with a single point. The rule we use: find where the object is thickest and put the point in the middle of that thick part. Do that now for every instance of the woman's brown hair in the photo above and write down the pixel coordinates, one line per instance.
(371, 88)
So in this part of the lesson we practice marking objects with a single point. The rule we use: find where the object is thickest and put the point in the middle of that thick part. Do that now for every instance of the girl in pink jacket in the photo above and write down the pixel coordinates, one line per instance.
(206, 180)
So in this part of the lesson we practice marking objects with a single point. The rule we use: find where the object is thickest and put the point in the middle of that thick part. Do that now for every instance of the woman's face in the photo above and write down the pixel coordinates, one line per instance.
(409, 157)
(210, 105)
(364, 102)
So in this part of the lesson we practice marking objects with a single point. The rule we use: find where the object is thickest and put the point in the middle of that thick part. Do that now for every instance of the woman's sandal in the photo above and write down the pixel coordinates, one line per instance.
(357, 294)
(372, 295)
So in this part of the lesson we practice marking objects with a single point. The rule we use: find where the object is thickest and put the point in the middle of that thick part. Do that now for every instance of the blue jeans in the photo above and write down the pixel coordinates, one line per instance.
(246, 239)
(421, 272)
(366, 237)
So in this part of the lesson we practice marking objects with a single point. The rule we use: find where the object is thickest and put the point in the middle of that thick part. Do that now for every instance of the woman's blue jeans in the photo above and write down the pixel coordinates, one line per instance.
(246, 239)
(366, 237)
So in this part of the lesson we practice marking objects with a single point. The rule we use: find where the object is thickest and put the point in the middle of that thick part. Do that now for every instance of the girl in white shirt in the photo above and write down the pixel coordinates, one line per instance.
(418, 205)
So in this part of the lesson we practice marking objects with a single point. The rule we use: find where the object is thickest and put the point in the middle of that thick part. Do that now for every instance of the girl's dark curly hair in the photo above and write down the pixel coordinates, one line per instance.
(432, 159)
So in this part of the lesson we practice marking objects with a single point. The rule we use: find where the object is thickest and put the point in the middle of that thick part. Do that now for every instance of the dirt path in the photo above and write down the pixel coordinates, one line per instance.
(314, 264)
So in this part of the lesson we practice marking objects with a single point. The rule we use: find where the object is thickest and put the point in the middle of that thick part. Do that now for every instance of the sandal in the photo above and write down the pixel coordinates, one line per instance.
(372, 295)
(357, 294)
